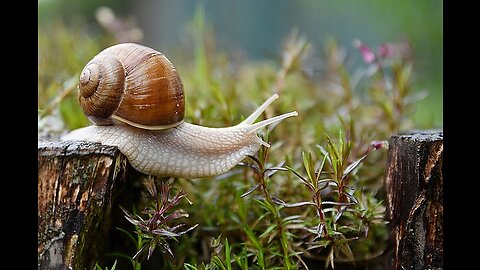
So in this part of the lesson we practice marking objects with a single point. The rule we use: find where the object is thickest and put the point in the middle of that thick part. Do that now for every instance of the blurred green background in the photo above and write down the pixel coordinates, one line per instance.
(253, 30)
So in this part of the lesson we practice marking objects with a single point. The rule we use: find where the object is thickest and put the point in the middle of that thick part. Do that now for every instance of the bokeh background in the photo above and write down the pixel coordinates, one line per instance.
(252, 30)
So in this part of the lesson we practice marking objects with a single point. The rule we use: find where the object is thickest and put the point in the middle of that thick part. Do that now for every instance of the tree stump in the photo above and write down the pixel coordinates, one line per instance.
(77, 184)
(414, 191)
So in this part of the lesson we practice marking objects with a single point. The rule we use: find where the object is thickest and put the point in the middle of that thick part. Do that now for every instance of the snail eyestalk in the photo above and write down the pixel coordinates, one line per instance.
(274, 120)
(277, 119)
(250, 119)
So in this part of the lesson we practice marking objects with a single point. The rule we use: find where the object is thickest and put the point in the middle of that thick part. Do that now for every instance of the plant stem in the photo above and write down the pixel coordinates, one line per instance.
(321, 215)
(261, 175)
(58, 99)
(278, 219)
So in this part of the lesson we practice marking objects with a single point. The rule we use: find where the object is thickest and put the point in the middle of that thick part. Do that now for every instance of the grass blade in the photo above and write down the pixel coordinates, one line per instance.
(227, 255)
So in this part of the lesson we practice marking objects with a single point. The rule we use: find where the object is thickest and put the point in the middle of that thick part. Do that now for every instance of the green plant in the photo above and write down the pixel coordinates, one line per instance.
(155, 231)
(98, 267)
(341, 219)
(278, 225)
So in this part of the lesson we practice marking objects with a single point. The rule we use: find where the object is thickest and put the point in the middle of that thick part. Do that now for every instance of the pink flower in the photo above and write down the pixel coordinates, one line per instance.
(367, 53)
(386, 50)
(392, 50)
(379, 144)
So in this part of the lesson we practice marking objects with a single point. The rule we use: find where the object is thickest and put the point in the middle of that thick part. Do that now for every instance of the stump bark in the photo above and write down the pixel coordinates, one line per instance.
(77, 184)
(414, 191)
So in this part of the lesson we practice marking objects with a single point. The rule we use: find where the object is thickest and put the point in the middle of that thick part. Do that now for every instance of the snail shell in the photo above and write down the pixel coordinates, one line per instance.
(133, 84)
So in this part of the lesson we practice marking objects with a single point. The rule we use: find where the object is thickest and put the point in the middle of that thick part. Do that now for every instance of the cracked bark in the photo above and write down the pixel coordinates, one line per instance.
(414, 193)
(77, 185)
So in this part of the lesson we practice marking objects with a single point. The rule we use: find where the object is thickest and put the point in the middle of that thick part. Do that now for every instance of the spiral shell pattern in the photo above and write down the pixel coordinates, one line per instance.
(134, 84)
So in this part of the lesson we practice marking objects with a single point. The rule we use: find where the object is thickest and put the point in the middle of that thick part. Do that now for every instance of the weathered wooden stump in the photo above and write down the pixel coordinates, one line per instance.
(414, 190)
(77, 183)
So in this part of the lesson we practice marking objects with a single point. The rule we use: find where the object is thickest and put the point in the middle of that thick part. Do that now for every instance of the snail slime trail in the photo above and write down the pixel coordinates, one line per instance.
(135, 99)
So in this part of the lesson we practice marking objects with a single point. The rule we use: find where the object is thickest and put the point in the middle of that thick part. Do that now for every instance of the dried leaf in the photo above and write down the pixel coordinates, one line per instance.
(130, 218)
(126, 212)
(168, 250)
(151, 187)
(351, 197)
(352, 166)
(347, 251)
(277, 200)
(345, 247)
(295, 226)
(318, 244)
(149, 211)
(282, 203)
(298, 204)
(292, 219)
(254, 158)
(179, 213)
(252, 189)
(165, 233)
(328, 210)
(339, 214)
(245, 164)
(326, 182)
(330, 259)
(140, 251)
(151, 247)
(271, 171)
(304, 180)
(174, 201)
(324, 151)
(272, 236)
(320, 229)
(189, 229)
(336, 203)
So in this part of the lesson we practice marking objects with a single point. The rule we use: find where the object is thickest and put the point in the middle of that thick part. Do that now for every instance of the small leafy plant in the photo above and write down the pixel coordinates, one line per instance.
(340, 218)
(155, 230)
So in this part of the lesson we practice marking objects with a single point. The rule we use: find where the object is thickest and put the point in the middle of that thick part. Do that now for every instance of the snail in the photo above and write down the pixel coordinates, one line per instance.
(135, 99)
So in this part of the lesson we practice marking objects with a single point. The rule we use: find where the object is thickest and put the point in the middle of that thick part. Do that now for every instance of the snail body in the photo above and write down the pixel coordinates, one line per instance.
(171, 148)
